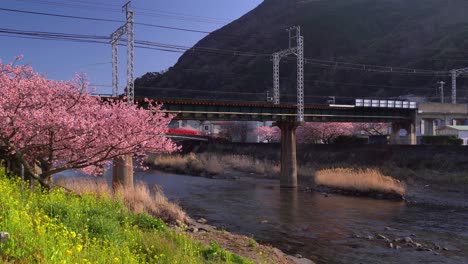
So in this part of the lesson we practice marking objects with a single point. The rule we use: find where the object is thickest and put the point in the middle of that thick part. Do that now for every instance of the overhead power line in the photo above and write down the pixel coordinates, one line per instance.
(315, 62)
(102, 20)
(209, 50)
(144, 12)
(154, 10)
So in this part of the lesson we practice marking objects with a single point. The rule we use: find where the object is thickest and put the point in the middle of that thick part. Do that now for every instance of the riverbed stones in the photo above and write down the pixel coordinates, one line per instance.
(202, 220)
(380, 236)
(192, 229)
(408, 240)
(4, 236)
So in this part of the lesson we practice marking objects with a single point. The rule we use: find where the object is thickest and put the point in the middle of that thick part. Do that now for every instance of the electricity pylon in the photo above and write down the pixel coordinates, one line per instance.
(298, 50)
(115, 37)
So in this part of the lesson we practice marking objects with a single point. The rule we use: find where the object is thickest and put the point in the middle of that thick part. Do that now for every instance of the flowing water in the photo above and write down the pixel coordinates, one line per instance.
(321, 228)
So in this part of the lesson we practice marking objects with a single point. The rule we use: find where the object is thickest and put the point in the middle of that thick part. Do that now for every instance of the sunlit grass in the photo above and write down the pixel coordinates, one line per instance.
(139, 199)
(60, 227)
(214, 164)
(366, 180)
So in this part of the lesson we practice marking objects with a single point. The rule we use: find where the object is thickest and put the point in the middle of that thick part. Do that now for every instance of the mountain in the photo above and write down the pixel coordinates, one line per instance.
(420, 34)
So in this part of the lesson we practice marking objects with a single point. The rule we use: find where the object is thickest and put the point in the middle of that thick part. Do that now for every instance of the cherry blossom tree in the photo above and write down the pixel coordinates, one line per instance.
(268, 133)
(318, 132)
(57, 126)
(371, 129)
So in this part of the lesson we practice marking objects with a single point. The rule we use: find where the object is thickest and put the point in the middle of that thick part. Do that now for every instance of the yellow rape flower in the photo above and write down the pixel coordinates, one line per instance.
(79, 248)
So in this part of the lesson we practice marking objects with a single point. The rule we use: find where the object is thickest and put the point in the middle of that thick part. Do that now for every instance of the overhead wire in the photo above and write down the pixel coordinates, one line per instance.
(181, 49)
(143, 12)
(102, 20)
(151, 10)
(157, 46)
(315, 62)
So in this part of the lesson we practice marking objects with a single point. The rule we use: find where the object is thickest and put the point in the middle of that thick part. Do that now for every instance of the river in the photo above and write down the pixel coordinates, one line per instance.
(318, 227)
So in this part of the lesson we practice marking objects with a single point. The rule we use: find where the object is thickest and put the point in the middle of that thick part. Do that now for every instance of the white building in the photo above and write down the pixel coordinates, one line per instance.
(459, 131)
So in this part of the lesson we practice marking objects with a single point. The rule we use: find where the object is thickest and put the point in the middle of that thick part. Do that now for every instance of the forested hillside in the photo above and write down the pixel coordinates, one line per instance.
(429, 34)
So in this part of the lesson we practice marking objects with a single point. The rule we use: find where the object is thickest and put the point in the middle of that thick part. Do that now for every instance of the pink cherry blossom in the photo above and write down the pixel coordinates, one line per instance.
(323, 132)
(56, 125)
(371, 129)
(268, 133)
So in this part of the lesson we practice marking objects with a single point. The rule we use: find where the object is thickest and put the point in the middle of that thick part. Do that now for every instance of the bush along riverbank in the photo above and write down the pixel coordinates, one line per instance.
(61, 227)
(347, 181)
(421, 164)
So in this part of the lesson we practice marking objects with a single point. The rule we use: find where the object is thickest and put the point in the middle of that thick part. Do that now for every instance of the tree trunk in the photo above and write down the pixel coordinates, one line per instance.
(122, 173)
(46, 181)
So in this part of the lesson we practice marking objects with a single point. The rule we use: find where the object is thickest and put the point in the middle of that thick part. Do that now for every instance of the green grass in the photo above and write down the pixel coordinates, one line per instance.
(63, 228)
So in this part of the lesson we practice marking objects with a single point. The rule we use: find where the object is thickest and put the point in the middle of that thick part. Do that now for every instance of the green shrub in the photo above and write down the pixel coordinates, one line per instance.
(215, 253)
(146, 221)
(441, 140)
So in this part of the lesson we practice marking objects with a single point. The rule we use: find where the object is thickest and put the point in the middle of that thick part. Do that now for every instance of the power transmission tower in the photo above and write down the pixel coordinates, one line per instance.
(455, 73)
(294, 33)
(441, 89)
(115, 37)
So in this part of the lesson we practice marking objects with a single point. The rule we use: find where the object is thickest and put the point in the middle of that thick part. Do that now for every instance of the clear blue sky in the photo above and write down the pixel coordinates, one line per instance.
(60, 60)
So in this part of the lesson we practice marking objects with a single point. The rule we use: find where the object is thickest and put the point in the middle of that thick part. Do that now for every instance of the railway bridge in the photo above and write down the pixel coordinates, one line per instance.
(401, 114)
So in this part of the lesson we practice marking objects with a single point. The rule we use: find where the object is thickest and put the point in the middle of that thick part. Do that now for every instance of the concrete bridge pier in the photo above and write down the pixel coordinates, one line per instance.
(288, 177)
(410, 128)
(428, 127)
(122, 173)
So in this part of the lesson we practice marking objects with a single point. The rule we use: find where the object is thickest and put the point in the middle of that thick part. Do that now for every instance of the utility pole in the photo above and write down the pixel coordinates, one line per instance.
(122, 168)
(441, 89)
(455, 73)
(294, 33)
(115, 37)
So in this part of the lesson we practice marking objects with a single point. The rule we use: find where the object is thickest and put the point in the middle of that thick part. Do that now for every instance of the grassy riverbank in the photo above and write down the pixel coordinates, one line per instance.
(211, 164)
(421, 164)
(60, 227)
(348, 178)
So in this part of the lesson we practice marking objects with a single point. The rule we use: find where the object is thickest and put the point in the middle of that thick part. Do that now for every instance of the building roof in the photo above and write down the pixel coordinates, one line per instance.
(459, 128)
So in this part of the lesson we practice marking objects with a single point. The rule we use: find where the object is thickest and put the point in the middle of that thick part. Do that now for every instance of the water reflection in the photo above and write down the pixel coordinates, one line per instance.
(289, 207)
